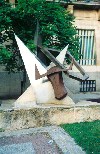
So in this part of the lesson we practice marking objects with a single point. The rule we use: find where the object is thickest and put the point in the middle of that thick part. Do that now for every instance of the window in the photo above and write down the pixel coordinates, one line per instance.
(88, 86)
(87, 49)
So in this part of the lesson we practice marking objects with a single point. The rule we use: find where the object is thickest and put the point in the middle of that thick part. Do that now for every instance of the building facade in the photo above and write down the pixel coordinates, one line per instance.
(87, 22)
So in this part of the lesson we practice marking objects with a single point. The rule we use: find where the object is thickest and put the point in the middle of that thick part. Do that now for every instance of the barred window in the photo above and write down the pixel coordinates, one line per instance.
(87, 47)
(88, 86)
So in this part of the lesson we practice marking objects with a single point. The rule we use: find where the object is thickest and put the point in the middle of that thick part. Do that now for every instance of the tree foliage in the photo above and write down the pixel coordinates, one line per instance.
(8, 50)
(56, 27)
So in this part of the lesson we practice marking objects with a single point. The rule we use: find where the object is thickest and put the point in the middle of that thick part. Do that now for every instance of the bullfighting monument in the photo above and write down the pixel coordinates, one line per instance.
(47, 84)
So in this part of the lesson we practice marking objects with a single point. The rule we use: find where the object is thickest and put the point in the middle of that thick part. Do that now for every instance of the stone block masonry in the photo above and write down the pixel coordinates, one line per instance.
(46, 116)
(10, 85)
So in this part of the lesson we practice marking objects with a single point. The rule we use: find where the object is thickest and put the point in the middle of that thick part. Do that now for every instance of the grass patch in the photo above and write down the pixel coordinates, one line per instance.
(86, 134)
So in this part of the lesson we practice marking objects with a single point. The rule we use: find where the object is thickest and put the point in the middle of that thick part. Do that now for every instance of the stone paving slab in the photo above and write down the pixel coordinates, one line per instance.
(44, 140)
(22, 148)
(39, 143)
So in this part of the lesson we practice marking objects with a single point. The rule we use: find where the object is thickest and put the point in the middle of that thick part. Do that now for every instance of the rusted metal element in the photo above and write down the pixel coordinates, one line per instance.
(78, 66)
(51, 57)
(57, 63)
(54, 75)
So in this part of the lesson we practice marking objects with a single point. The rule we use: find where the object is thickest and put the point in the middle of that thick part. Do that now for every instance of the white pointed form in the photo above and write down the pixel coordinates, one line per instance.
(30, 60)
(62, 54)
(60, 57)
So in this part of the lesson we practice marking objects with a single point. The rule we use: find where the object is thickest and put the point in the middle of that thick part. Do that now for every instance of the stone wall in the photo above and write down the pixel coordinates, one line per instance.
(44, 116)
(10, 85)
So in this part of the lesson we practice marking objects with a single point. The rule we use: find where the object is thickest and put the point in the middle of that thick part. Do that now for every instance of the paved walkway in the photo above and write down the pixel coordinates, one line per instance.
(44, 140)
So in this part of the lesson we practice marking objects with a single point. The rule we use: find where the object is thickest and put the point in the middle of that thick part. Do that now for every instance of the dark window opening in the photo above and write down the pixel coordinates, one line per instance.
(88, 86)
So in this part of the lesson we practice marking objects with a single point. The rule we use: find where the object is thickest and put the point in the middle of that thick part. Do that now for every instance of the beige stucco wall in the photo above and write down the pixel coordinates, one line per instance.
(83, 14)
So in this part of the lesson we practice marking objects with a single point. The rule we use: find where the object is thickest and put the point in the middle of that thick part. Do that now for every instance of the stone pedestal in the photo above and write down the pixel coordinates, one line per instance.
(43, 94)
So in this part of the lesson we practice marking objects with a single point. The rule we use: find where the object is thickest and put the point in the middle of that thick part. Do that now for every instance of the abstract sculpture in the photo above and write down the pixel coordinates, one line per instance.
(38, 74)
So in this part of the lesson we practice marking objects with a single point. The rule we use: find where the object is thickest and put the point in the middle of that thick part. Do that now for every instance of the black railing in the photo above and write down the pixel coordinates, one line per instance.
(88, 86)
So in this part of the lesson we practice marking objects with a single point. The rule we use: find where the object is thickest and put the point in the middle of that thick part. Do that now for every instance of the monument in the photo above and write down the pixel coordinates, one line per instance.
(47, 84)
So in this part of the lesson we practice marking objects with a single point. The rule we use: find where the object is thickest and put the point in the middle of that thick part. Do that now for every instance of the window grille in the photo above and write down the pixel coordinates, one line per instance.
(87, 50)
(88, 86)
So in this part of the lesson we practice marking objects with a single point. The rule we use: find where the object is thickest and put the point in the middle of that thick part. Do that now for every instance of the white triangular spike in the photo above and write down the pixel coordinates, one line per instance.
(60, 57)
(30, 60)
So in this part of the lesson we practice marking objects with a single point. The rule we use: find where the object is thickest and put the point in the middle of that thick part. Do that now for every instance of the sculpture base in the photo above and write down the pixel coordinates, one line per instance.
(41, 95)
(38, 116)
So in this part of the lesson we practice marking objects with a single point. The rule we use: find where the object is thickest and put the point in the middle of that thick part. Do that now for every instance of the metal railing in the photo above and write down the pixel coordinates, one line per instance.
(88, 86)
